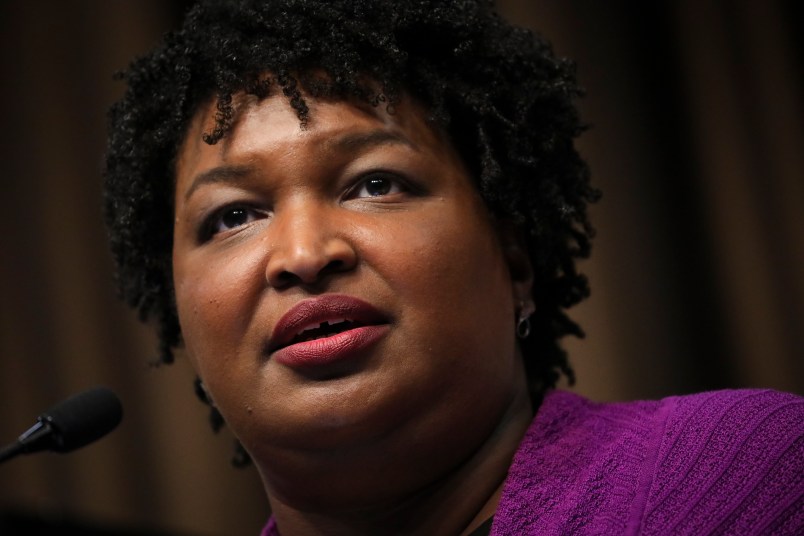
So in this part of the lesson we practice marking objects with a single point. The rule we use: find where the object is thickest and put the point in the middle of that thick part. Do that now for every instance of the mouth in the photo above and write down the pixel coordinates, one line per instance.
(325, 329)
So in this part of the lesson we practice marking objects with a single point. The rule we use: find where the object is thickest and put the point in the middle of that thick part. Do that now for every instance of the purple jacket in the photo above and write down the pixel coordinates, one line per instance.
(725, 462)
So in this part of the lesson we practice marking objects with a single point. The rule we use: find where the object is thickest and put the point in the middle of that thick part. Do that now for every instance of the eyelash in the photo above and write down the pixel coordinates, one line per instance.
(397, 183)
(210, 225)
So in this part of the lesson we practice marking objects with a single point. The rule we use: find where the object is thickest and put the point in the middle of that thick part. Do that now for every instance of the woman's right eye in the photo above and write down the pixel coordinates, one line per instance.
(227, 219)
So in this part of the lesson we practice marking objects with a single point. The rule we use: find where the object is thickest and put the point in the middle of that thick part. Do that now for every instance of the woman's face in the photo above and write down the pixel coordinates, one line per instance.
(343, 293)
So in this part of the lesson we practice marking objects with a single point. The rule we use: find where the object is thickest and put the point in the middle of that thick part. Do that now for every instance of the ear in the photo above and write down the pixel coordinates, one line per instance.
(515, 251)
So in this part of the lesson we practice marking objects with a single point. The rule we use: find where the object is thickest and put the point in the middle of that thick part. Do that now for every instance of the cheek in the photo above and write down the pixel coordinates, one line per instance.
(215, 298)
(456, 343)
(451, 277)
(449, 258)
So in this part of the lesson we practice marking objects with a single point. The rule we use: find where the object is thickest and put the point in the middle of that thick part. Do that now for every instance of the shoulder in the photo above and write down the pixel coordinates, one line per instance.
(729, 462)
(643, 467)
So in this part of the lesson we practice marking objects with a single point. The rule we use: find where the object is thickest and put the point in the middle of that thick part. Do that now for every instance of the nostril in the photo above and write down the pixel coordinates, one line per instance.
(286, 279)
(307, 262)
(332, 266)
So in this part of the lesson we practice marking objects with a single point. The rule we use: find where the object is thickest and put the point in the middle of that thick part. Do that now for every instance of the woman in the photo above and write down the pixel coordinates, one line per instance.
(361, 220)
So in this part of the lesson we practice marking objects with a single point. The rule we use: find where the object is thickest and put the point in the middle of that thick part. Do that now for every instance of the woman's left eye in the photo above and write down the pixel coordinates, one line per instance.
(227, 219)
(377, 186)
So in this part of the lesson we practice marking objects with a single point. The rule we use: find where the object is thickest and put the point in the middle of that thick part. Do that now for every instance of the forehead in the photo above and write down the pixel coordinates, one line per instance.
(271, 123)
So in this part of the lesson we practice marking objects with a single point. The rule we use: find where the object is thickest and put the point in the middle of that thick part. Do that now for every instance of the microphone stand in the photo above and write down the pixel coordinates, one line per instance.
(32, 437)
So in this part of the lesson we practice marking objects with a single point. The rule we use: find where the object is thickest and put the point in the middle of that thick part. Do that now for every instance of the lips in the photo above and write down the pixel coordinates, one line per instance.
(325, 329)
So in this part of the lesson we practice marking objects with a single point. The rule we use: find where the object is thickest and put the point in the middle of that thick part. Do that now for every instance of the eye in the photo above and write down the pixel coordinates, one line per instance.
(226, 219)
(377, 186)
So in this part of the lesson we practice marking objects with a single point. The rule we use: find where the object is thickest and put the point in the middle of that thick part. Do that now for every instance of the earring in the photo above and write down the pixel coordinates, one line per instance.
(201, 392)
(523, 321)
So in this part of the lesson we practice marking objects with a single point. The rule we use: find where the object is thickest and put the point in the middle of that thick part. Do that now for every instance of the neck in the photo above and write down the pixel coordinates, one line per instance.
(455, 503)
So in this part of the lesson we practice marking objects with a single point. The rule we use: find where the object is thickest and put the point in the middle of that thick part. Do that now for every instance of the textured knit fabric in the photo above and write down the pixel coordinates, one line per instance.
(725, 462)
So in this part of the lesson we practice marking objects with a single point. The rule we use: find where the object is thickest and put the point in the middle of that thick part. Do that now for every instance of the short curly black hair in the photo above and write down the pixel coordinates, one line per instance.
(498, 91)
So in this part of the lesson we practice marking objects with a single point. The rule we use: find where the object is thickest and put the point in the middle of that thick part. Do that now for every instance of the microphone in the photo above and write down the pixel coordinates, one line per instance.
(70, 424)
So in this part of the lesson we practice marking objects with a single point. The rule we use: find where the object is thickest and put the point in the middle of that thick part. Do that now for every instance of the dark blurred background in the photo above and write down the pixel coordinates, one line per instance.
(697, 141)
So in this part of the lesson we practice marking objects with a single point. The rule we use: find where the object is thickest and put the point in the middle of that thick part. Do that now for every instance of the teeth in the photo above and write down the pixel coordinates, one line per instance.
(332, 322)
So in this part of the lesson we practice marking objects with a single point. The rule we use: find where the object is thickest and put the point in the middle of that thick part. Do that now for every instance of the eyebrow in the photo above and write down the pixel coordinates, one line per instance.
(348, 143)
(363, 140)
(231, 174)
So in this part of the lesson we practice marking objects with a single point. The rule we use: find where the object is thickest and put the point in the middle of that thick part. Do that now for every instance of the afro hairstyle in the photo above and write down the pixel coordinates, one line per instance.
(505, 101)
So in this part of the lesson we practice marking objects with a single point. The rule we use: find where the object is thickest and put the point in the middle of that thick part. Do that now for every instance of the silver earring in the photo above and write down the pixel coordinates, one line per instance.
(523, 321)
(201, 392)
(523, 327)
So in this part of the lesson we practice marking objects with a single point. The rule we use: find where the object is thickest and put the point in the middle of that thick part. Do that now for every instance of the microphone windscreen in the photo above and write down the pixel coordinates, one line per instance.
(83, 418)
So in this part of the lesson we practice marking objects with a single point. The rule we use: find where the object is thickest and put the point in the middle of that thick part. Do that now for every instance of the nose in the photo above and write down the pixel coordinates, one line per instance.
(307, 246)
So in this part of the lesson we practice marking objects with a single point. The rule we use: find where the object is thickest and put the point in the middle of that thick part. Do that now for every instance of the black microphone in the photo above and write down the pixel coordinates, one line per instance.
(71, 424)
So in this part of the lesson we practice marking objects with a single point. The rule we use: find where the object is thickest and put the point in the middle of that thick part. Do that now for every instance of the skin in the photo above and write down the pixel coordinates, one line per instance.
(416, 435)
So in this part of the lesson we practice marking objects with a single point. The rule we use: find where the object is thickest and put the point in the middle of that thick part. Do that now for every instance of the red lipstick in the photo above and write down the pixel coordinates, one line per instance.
(325, 329)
